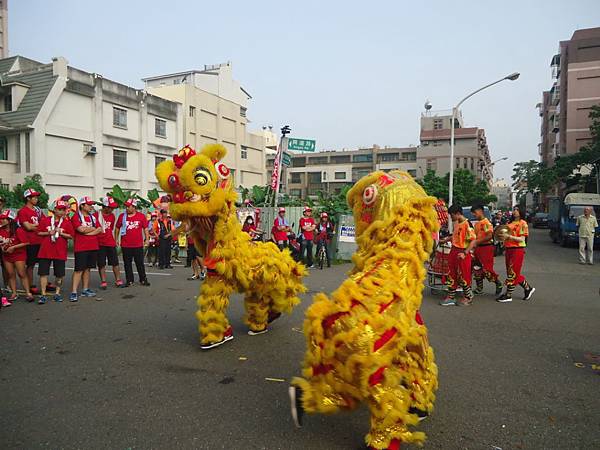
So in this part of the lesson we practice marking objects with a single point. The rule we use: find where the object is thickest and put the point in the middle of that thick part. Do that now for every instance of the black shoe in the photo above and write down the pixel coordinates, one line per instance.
(169, 267)
(273, 316)
(528, 293)
(145, 283)
(504, 298)
(498, 288)
(419, 412)
(297, 409)
(129, 283)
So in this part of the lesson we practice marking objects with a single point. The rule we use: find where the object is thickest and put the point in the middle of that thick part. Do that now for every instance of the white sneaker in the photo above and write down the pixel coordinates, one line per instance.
(255, 333)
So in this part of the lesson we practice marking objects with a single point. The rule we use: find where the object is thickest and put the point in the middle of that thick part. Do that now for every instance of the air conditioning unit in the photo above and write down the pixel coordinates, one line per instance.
(89, 149)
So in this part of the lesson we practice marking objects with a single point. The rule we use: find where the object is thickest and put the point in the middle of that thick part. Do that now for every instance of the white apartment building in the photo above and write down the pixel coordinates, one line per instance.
(503, 191)
(215, 109)
(81, 132)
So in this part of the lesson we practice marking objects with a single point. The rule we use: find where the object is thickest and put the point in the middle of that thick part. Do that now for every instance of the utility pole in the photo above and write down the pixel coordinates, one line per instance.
(277, 165)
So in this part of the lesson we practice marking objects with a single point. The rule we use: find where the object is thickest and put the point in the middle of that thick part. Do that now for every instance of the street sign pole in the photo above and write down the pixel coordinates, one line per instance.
(283, 144)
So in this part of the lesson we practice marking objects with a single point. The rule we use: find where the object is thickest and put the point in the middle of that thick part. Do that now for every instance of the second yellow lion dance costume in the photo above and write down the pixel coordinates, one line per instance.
(367, 342)
(202, 196)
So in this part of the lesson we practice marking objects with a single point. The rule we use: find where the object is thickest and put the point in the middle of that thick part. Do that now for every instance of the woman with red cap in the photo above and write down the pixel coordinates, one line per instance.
(29, 217)
(14, 240)
(307, 231)
(324, 233)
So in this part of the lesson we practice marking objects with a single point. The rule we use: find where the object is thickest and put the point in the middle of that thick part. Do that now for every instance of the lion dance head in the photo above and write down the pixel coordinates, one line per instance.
(199, 184)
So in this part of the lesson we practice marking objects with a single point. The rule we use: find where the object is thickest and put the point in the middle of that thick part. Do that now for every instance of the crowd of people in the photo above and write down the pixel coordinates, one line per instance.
(472, 247)
(29, 238)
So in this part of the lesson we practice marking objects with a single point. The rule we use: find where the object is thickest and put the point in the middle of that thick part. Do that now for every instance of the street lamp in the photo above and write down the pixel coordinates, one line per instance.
(483, 166)
(511, 77)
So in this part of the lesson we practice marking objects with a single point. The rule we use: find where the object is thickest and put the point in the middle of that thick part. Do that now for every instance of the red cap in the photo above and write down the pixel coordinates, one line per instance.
(324, 214)
(86, 201)
(59, 204)
(31, 193)
(109, 202)
(307, 208)
(131, 202)
(281, 209)
(8, 214)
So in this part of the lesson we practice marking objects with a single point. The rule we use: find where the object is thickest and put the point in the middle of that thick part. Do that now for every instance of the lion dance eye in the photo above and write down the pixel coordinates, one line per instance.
(173, 180)
(202, 176)
(222, 170)
(369, 195)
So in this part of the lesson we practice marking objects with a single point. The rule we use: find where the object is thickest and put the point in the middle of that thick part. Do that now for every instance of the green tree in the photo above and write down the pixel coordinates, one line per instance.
(30, 182)
(467, 190)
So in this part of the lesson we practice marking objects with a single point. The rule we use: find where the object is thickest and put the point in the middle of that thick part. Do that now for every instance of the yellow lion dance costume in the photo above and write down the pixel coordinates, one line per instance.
(367, 343)
(203, 197)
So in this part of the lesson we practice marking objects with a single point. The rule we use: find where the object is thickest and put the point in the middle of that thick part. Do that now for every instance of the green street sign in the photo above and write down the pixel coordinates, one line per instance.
(286, 159)
(302, 145)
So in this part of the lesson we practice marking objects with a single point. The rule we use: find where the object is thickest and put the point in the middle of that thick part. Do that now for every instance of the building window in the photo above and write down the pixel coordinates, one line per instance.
(244, 152)
(8, 103)
(119, 159)
(192, 111)
(339, 175)
(465, 163)
(431, 165)
(458, 163)
(388, 157)
(436, 143)
(18, 153)
(472, 164)
(296, 178)
(324, 178)
(243, 111)
(340, 159)
(317, 160)
(438, 124)
(158, 160)
(160, 127)
(409, 156)
(298, 162)
(362, 158)
(119, 117)
(357, 174)
(4, 186)
(27, 152)
(314, 177)
(296, 192)
(425, 143)
(412, 172)
(3, 148)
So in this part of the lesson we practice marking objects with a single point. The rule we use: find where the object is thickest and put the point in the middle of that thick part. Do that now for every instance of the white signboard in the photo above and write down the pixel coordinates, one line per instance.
(346, 233)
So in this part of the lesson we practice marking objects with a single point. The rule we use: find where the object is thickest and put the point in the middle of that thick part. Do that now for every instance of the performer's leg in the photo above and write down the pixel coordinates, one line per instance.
(257, 312)
(452, 278)
(464, 265)
(213, 301)
(479, 272)
(487, 262)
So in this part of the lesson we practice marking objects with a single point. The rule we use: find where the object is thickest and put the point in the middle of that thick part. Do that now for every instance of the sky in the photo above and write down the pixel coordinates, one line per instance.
(346, 73)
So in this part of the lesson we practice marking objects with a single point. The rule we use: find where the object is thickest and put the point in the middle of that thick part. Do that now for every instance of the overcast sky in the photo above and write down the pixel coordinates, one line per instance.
(345, 73)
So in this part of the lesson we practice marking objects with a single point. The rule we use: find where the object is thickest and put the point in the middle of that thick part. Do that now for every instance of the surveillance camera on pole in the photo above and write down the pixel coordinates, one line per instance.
(286, 130)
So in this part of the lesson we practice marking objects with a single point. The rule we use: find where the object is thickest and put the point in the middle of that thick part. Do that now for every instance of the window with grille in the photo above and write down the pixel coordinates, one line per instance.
(296, 177)
(362, 158)
(160, 127)
(158, 160)
(192, 111)
(339, 175)
(119, 117)
(119, 159)
(244, 152)
(3, 148)
(438, 124)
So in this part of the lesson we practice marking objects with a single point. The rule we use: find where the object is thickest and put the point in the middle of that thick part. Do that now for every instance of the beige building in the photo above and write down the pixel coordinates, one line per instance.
(576, 88)
(215, 109)
(470, 146)
(503, 192)
(331, 171)
(80, 131)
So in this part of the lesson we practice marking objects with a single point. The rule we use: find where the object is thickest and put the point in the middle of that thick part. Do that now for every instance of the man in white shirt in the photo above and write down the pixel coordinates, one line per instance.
(587, 225)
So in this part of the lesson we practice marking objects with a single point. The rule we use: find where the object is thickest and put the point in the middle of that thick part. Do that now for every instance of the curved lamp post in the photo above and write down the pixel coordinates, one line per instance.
(511, 77)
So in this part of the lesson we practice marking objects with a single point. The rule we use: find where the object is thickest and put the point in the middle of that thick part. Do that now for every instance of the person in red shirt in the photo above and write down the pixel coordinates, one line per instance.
(323, 235)
(55, 232)
(133, 236)
(307, 233)
(14, 241)
(484, 251)
(459, 259)
(87, 228)
(107, 246)
(280, 230)
(514, 247)
(29, 217)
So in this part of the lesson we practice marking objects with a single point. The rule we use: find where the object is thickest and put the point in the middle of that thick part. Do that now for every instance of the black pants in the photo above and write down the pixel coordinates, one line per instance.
(307, 246)
(164, 252)
(134, 254)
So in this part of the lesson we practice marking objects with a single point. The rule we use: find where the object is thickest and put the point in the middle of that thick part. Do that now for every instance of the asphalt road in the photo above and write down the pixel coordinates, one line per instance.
(125, 370)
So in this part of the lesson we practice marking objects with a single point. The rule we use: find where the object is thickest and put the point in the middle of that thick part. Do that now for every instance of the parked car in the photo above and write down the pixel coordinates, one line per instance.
(471, 217)
(540, 220)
